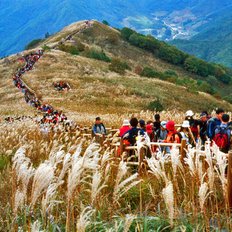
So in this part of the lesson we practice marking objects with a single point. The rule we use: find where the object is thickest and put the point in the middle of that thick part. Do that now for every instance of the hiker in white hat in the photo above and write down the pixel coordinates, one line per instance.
(194, 126)
(125, 127)
(185, 131)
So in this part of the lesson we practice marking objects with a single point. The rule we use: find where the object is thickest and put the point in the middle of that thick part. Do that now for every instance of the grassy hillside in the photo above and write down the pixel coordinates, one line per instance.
(95, 89)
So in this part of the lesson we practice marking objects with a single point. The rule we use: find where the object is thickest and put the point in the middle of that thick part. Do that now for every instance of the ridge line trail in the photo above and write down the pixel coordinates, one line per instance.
(30, 60)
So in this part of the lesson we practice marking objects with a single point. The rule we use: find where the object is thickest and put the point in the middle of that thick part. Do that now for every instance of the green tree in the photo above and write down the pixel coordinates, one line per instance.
(33, 44)
(46, 35)
(105, 22)
(171, 54)
(126, 33)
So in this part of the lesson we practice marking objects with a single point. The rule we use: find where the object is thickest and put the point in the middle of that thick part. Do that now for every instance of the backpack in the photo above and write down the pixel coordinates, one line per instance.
(174, 134)
(221, 139)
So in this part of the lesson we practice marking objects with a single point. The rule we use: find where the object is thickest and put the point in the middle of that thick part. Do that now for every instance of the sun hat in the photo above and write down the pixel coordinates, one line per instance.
(126, 122)
(189, 113)
(163, 124)
(185, 124)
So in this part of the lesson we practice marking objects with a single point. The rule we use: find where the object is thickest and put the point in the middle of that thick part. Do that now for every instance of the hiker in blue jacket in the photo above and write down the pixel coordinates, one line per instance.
(98, 130)
(214, 122)
(131, 134)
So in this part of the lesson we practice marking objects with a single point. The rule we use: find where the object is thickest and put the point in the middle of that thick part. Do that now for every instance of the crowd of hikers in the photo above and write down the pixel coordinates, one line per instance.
(61, 86)
(206, 128)
(51, 116)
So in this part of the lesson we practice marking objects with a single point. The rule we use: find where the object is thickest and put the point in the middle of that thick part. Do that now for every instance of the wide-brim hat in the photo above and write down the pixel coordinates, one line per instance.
(189, 113)
(185, 124)
(126, 122)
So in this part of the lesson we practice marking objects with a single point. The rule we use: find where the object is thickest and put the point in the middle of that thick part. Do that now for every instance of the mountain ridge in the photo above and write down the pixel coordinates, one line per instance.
(92, 81)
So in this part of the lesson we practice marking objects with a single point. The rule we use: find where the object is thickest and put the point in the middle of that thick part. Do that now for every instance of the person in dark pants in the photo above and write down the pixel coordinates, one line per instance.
(203, 127)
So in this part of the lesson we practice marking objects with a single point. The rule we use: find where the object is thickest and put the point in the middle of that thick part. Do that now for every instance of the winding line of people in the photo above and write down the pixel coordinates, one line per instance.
(51, 116)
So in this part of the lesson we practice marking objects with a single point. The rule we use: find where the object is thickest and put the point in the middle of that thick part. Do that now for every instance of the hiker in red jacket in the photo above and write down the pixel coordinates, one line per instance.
(125, 127)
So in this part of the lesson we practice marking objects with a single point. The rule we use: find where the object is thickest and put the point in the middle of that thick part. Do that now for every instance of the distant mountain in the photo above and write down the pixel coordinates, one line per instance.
(213, 42)
(22, 21)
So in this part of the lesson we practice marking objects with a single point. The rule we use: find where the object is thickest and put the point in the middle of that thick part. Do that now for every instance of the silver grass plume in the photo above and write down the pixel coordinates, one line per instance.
(85, 219)
(203, 195)
(157, 168)
(96, 185)
(189, 160)
(175, 158)
(221, 168)
(128, 221)
(36, 226)
(44, 175)
(19, 200)
(47, 201)
(121, 187)
(168, 196)
(66, 165)
(24, 171)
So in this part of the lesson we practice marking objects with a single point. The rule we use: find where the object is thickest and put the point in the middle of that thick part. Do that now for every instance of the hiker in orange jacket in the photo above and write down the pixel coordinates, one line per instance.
(172, 136)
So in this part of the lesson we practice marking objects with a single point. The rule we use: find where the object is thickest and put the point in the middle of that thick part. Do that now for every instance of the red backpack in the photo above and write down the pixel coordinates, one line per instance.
(221, 139)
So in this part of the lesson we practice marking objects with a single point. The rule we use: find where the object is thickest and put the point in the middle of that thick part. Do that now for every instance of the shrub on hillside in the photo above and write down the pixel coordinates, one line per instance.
(119, 66)
(155, 105)
(226, 79)
(46, 48)
(170, 73)
(126, 33)
(150, 72)
(171, 54)
(33, 44)
(228, 98)
(80, 46)
(197, 66)
(69, 48)
(98, 55)
(145, 42)
(205, 87)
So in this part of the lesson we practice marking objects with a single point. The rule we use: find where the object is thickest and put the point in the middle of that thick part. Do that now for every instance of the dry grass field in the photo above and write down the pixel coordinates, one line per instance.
(63, 182)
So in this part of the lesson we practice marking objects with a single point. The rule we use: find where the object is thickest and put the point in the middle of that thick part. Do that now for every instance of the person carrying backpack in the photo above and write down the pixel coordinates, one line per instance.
(173, 136)
(124, 128)
(130, 135)
(223, 134)
(214, 122)
(98, 130)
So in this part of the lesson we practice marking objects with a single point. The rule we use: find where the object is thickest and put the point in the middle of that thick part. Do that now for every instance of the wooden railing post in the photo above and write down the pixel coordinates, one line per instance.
(229, 178)
(183, 150)
(121, 147)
